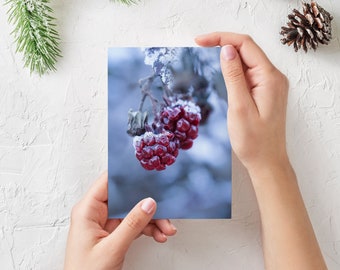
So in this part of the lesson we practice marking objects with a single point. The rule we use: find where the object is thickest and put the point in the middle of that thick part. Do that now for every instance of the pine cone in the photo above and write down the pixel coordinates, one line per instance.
(309, 29)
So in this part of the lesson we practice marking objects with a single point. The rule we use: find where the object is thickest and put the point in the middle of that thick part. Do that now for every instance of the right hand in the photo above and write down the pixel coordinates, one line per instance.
(257, 100)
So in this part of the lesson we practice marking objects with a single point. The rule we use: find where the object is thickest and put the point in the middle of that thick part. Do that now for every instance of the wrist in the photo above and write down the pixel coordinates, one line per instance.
(271, 170)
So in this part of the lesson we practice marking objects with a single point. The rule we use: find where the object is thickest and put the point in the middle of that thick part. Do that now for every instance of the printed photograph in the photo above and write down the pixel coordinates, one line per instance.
(167, 132)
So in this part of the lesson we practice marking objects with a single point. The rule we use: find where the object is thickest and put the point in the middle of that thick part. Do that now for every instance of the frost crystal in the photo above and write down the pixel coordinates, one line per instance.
(188, 106)
(29, 5)
(138, 139)
(160, 59)
(167, 61)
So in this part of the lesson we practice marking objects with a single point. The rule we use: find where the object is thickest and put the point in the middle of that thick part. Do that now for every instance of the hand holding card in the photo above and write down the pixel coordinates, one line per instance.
(96, 242)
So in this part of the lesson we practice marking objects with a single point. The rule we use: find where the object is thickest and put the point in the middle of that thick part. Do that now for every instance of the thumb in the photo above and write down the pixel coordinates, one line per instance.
(132, 225)
(232, 70)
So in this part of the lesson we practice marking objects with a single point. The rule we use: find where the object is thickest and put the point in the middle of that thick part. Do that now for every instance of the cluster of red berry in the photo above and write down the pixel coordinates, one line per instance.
(179, 127)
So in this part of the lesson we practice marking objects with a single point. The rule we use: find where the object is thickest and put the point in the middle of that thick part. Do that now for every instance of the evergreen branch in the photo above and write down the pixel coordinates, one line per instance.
(35, 34)
(126, 2)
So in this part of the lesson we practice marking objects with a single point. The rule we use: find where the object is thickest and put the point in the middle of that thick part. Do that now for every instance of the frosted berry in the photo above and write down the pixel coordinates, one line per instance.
(156, 151)
(182, 119)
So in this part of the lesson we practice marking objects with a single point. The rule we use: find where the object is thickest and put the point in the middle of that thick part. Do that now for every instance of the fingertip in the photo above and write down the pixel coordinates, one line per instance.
(160, 237)
(173, 230)
(199, 37)
(202, 39)
(148, 206)
(198, 41)
(228, 52)
(166, 227)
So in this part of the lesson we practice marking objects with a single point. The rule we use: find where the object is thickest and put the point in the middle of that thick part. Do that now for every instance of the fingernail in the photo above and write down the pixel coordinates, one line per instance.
(173, 227)
(148, 205)
(228, 52)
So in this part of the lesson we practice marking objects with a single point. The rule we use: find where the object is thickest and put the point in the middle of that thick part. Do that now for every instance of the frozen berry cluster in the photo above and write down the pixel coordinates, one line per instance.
(179, 127)
(156, 151)
(182, 118)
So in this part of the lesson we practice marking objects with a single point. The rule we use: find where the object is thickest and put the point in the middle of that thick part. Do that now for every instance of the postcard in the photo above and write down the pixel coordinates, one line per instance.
(167, 132)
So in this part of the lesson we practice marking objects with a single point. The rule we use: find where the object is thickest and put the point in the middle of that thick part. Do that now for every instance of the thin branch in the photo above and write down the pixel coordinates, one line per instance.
(145, 85)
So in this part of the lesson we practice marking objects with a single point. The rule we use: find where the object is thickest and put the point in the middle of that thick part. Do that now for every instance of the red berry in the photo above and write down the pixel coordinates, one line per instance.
(182, 125)
(168, 159)
(193, 118)
(149, 140)
(139, 145)
(147, 152)
(154, 161)
(192, 132)
(180, 135)
(156, 151)
(161, 167)
(175, 114)
(172, 146)
(163, 140)
(160, 150)
(187, 144)
(145, 165)
(139, 156)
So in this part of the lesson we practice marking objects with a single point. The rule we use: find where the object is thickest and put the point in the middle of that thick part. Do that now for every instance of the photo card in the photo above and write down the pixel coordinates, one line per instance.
(167, 132)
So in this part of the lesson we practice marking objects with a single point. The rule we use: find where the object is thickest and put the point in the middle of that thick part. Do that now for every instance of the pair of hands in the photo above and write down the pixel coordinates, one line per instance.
(257, 99)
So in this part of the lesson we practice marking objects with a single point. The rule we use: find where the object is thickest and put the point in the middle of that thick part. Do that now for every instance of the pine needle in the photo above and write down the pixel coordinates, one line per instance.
(126, 2)
(35, 34)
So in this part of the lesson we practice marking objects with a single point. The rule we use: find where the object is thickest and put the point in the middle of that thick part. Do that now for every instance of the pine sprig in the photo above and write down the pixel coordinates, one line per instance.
(126, 2)
(35, 34)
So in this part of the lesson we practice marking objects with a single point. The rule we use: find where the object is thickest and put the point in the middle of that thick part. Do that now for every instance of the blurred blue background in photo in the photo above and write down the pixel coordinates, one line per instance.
(198, 184)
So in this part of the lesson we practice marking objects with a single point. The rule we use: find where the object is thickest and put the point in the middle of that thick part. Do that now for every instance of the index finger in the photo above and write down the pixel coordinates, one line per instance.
(251, 54)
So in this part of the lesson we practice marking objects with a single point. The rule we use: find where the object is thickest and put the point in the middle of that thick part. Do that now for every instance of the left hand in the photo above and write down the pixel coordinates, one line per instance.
(96, 242)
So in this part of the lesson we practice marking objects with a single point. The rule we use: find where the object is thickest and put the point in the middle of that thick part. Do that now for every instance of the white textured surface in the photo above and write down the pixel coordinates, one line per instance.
(53, 132)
